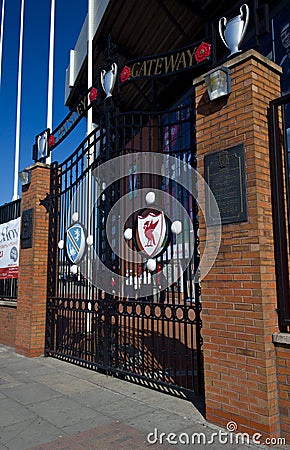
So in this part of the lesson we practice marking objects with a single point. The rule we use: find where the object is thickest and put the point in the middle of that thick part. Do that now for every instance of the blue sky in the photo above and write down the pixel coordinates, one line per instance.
(70, 15)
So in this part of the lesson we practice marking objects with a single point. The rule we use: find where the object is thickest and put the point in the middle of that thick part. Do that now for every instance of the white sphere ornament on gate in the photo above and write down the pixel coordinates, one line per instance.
(61, 244)
(90, 240)
(75, 217)
(176, 227)
(150, 198)
(128, 234)
(74, 269)
(151, 264)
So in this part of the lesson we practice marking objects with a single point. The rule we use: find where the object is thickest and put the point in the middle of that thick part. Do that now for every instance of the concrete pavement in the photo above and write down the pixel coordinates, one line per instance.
(48, 404)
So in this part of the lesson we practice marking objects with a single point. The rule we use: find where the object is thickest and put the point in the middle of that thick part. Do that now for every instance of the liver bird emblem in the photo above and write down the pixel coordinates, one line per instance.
(149, 227)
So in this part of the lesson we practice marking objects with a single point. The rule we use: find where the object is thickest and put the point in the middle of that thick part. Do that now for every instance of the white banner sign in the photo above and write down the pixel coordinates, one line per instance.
(9, 248)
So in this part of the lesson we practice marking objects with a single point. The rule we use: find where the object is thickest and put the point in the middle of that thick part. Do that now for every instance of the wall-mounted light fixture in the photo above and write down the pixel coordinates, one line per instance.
(218, 83)
(25, 177)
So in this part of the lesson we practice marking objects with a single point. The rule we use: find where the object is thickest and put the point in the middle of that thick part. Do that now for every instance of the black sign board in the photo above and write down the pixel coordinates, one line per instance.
(167, 63)
(26, 228)
(224, 172)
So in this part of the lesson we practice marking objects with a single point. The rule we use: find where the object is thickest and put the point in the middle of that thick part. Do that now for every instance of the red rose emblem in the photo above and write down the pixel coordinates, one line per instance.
(202, 52)
(125, 74)
(93, 94)
(51, 140)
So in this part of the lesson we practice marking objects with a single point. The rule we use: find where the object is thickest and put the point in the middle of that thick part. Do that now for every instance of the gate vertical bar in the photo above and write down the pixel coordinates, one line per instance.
(279, 216)
(52, 257)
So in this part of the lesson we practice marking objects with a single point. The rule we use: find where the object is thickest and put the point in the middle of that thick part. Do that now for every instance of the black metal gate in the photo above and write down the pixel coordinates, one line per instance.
(279, 133)
(141, 324)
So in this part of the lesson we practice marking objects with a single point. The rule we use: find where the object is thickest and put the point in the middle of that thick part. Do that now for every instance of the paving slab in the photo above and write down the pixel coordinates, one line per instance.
(86, 425)
(112, 436)
(48, 404)
(63, 411)
(7, 381)
(12, 412)
(165, 420)
(97, 398)
(124, 409)
(31, 393)
(40, 369)
(67, 385)
(29, 433)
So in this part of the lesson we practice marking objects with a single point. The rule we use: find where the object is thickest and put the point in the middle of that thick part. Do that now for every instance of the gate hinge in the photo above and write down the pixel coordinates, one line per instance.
(46, 202)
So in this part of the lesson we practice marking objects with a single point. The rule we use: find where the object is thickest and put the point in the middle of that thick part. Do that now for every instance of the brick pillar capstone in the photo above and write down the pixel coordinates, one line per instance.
(32, 282)
(239, 292)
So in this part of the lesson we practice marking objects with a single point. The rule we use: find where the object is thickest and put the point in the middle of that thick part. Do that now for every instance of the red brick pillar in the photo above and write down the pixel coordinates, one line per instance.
(239, 294)
(32, 282)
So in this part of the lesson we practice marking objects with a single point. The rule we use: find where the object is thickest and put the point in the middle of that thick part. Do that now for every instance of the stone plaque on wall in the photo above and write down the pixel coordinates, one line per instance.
(224, 172)
(26, 228)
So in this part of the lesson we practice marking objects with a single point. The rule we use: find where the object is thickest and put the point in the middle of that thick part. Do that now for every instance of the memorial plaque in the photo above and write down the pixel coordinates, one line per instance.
(224, 172)
(26, 228)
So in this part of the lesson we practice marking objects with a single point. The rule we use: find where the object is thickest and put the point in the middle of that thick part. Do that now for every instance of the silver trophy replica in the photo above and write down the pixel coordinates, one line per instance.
(232, 32)
(108, 79)
(42, 144)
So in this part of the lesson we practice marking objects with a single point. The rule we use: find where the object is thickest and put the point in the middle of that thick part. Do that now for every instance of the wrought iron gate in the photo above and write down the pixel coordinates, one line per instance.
(279, 132)
(152, 338)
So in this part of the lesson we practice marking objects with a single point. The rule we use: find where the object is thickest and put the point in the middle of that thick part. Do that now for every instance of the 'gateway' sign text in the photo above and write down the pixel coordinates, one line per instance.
(166, 64)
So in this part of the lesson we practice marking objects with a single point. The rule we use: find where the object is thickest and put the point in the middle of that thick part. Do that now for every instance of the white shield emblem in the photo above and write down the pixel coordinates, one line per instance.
(75, 243)
(151, 233)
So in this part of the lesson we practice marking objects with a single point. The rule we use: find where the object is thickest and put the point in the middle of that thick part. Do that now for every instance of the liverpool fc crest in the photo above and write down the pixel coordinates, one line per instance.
(151, 233)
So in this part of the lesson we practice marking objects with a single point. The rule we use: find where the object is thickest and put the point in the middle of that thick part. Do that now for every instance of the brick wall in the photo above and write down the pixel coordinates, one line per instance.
(7, 323)
(239, 293)
(32, 282)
